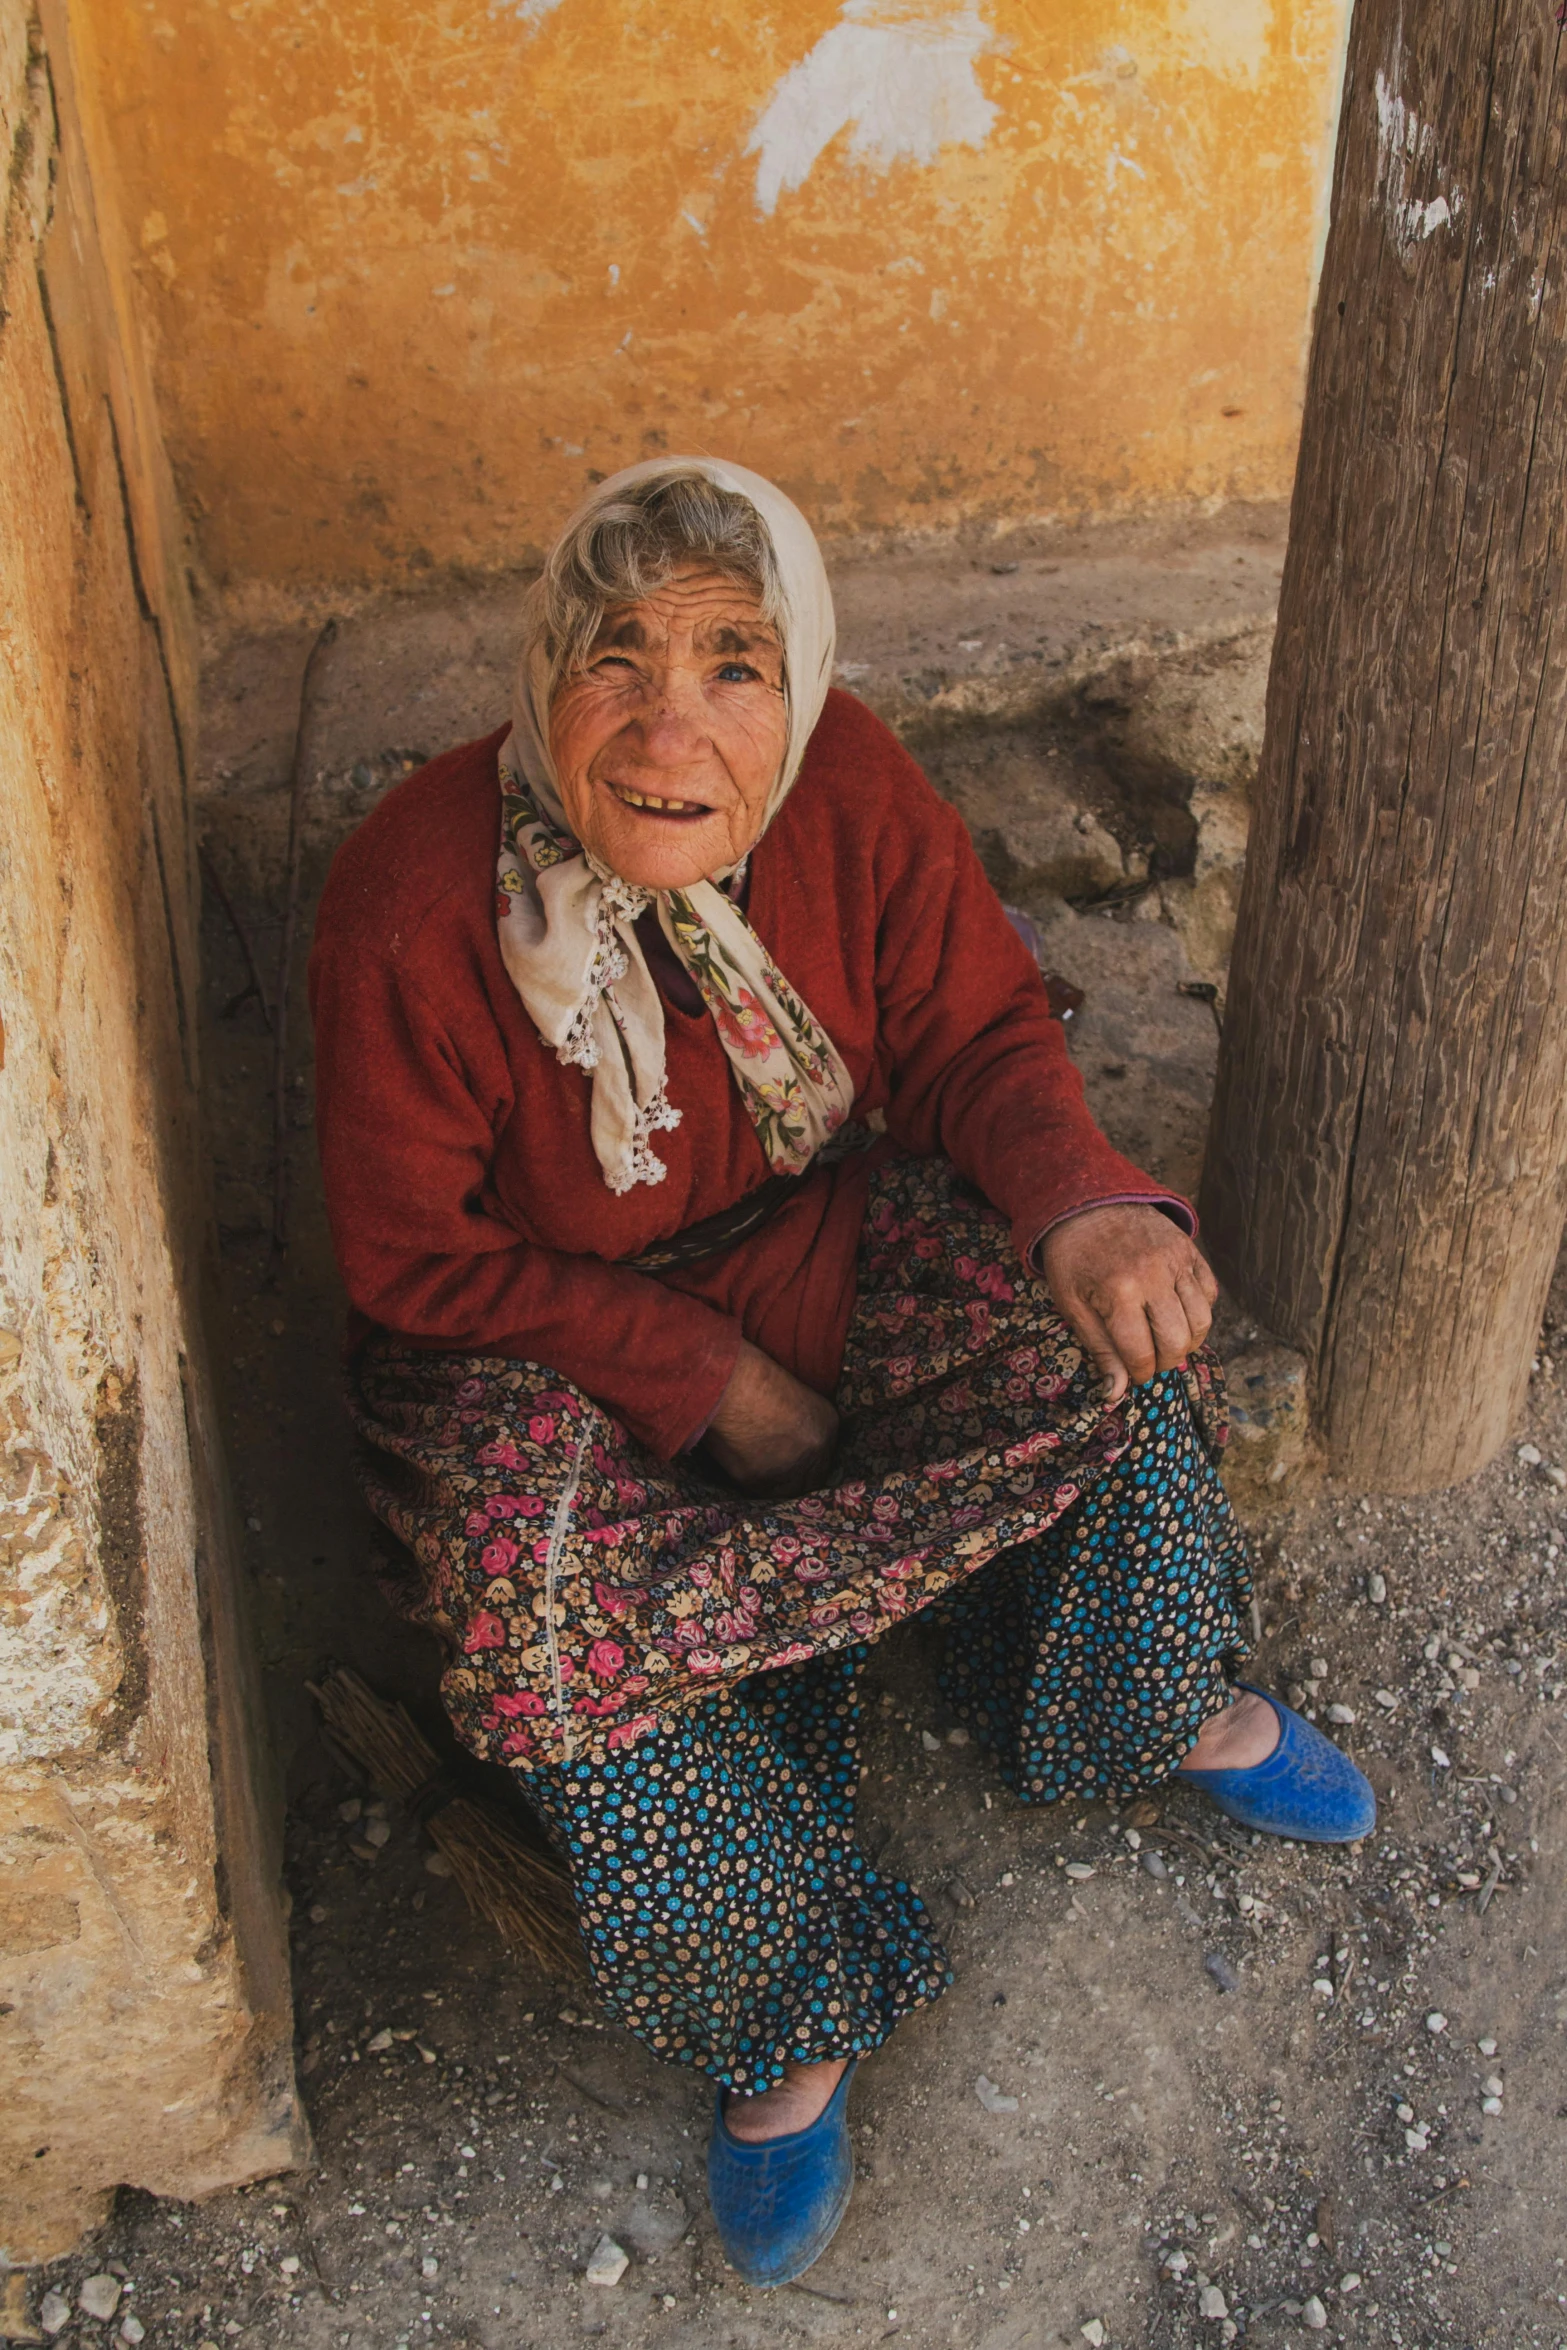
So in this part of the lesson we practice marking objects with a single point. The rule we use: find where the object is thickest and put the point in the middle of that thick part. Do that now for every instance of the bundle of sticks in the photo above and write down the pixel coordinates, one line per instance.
(518, 1886)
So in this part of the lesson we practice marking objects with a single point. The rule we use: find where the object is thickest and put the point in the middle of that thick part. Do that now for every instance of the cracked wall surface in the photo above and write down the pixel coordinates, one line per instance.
(144, 2013)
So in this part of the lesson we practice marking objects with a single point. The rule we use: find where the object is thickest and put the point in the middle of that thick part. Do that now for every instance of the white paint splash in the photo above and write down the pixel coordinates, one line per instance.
(1404, 143)
(902, 76)
(531, 13)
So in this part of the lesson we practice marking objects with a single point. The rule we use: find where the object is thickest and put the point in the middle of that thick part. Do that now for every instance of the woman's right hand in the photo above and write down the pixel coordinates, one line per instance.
(771, 1435)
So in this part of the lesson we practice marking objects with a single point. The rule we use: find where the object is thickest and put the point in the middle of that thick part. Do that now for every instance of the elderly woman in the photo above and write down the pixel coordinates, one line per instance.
(737, 1270)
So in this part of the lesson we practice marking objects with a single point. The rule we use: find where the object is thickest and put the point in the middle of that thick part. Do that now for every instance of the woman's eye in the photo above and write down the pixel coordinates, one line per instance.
(736, 673)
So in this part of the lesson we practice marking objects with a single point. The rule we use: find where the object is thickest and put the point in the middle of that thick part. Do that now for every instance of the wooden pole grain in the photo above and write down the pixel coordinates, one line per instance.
(1385, 1177)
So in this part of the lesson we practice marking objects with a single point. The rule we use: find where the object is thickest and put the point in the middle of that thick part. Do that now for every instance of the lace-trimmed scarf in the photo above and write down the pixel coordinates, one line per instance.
(567, 925)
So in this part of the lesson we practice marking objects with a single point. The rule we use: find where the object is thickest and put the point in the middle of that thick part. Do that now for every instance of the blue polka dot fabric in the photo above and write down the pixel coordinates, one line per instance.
(730, 1919)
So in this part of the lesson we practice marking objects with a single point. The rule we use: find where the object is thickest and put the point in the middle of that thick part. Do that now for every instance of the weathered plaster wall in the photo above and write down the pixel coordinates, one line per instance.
(144, 2018)
(418, 269)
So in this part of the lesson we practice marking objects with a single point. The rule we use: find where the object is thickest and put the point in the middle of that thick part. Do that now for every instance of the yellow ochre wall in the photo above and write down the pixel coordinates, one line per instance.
(417, 270)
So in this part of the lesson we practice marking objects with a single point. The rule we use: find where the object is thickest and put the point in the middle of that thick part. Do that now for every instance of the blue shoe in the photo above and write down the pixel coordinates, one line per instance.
(1305, 1788)
(778, 2204)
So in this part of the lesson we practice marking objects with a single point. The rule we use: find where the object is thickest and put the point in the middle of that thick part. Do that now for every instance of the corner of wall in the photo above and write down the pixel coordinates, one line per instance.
(145, 2025)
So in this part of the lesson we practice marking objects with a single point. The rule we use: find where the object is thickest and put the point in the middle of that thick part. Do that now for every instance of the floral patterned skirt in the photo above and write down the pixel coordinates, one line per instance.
(589, 1593)
(731, 1919)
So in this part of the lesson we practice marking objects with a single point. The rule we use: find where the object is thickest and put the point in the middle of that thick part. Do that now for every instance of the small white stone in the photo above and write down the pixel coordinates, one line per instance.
(426, 2054)
(1344, 1715)
(1386, 1700)
(1530, 1455)
(132, 2331)
(1133, 1839)
(992, 2098)
(1323, 1987)
(429, 2266)
(1079, 1871)
(1319, 1668)
(99, 2296)
(1440, 1759)
(290, 2266)
(957, 1737)
(1491, 2105)
(377, 1832)
(608, 2264)
(1416, 2140)
(1313, 2314)
(349, 1812)
(1436, 2021)
(1007, 1878)
(54, 2313)
(1558, 1478)
(642, 2182)
(1211, 2303)
(1093, 2333)
(1350, 2281)
(1492, 2085)
(930, 1744)
(380, 2044)
(437, 1864)
(1406, 2113)
(1376, 1588)
(1486, 2047)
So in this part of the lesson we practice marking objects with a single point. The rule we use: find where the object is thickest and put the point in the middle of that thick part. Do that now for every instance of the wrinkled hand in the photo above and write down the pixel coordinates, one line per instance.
(1134, 1289)
(771, 1435)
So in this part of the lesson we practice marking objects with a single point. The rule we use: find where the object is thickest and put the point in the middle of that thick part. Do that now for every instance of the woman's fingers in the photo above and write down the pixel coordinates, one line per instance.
(1197, 1299)
(1149, 1327)
(1170, 1322)
(1099, 1346)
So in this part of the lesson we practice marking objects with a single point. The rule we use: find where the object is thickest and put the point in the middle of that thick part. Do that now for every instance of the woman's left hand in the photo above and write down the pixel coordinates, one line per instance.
(1133, 1288)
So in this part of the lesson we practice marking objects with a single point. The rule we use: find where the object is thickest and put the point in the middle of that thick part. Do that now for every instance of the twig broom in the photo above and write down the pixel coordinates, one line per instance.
(521, 1891)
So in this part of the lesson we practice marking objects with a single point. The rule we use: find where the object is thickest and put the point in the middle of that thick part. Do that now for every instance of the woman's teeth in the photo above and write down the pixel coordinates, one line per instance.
(646, 799)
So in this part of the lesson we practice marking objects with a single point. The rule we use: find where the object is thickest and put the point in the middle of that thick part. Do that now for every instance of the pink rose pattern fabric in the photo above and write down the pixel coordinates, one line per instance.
(587, 1591)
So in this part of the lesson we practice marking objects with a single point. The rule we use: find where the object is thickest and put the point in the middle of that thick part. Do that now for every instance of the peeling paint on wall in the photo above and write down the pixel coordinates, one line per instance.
(900, 79)
(529, 12)
(415, 275)
(1231, 36)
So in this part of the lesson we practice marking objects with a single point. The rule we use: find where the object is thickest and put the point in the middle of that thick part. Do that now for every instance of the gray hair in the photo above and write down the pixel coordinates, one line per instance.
(619, 553)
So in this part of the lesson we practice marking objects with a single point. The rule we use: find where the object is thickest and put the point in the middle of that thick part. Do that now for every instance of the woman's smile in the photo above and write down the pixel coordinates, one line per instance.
(650, 804)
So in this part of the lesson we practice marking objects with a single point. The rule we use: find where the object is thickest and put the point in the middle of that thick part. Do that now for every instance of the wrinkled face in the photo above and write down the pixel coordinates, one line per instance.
(667, 747)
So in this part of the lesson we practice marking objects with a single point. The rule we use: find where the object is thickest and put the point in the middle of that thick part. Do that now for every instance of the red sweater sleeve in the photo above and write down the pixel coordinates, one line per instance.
(406, 1142)
(975, 1064)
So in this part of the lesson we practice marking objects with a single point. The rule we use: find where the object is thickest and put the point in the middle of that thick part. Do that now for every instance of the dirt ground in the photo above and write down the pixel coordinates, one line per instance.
(1246, 2091)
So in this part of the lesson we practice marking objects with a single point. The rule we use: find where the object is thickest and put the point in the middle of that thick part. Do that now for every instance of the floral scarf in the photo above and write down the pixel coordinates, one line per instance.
(567, 926)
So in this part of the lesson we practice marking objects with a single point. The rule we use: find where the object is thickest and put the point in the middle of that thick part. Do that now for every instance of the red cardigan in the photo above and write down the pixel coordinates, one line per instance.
(467, 1208)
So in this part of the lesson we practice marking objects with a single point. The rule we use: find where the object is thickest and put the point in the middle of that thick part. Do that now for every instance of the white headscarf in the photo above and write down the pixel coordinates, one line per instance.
(567, 925)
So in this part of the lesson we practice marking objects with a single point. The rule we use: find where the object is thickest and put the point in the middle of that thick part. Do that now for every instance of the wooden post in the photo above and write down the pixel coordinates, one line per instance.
(1385, 1180)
